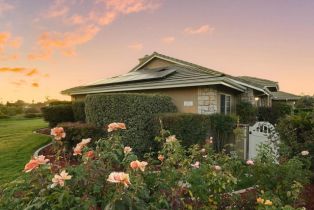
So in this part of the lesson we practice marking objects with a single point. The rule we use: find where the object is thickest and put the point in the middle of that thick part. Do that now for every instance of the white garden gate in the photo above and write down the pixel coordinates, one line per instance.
(260, 133)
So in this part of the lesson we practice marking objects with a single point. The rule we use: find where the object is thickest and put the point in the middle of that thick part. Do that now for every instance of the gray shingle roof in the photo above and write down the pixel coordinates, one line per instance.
(283, 96)
(186, 75)
(258, 82)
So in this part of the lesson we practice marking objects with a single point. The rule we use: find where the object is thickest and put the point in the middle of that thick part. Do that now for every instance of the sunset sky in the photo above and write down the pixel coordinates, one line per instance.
(50, 45)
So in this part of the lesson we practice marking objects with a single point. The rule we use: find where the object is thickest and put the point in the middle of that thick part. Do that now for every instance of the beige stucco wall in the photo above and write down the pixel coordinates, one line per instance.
(179, 96)
(202, 100)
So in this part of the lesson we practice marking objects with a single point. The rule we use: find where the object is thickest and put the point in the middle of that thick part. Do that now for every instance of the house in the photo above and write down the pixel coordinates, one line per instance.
(193, 88)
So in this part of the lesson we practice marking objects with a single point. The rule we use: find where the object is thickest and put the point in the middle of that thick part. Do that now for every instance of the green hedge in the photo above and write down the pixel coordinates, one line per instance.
(196, 128)
(189, 128)
(58, 113)
(274, 113)
(247, 112)
(76, 131)
(135, 110)
(79, 111)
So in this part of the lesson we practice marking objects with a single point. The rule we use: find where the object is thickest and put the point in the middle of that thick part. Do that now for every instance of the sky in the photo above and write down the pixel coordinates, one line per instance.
(47, 46)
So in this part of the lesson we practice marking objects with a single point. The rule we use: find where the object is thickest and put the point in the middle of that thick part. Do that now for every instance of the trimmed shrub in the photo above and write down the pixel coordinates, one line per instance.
(135, 110)
(57, 114)
(246, 112)
(54, 103)
(189, 128)
(77, 131)
(79, 110)
(274, 113)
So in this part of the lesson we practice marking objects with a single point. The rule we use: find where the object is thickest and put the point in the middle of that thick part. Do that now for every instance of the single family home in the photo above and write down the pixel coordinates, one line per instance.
(193, 88)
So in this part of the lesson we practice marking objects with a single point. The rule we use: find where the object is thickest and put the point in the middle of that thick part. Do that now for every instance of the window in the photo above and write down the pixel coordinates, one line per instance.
(225, 104)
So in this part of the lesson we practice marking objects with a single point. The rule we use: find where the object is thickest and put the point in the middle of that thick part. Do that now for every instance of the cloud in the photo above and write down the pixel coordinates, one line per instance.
(59, 8)
(199, 30)
(19, 70)
(102, 13)
(66, 43)
(19, 83)
(168, 39)
(136, 46)
(35, 85)
(12, 70)
(4, 7)
(7, 41)
(32, 72)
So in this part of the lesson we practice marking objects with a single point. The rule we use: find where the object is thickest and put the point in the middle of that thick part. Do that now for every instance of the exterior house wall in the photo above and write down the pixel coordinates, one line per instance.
(248, 96)
(207, 100)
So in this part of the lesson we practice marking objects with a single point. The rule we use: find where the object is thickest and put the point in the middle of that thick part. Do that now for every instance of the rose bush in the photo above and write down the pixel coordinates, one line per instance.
(111, 176)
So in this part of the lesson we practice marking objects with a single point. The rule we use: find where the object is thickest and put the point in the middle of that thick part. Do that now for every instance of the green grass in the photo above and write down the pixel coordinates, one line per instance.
(17, 145)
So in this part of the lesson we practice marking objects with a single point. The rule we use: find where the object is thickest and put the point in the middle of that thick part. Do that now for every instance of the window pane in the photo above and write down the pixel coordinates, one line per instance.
(223, 104)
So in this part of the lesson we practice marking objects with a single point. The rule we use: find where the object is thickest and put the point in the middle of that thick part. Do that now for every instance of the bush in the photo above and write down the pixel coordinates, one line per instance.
(136, 110)
(189, 128)
(77, 131)
(3, 116)
(196, 128)
(110, 176)
(33, 115)
(274, 113)
(79, 111)
(54, 103)
(31, 110)
(222, 127)
(297, 133)
(58, 113)
(246, 112)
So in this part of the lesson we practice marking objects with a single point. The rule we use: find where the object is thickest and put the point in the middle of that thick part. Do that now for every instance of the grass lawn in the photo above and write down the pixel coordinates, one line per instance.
(17, 144)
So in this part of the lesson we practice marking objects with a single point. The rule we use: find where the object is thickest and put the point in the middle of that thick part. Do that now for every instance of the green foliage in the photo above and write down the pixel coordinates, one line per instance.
(3, 116)
(31, 110)
(281, 182)
(79, 111)
(190, 128)
(305, 102)
(77, 131)
(246, 112)
(274, 113)
(58, 113)
(193, 178)
(222, 127)
(10, 110)
(56, 102)
(297, 134)
(33, 115)
(136, 110)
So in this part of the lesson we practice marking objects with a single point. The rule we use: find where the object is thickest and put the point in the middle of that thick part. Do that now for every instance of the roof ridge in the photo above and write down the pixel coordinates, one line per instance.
(188, 63)
(262, 79)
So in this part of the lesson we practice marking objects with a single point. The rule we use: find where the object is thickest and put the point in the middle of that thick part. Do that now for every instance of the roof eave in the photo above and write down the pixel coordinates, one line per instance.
(218, 82)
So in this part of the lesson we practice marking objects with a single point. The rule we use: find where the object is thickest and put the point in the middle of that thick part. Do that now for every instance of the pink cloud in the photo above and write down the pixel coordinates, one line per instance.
(32, 72)
(199, 30)
(59, 8)
(4, 7)
(136, 46)
(19, 83)
(168, 39)
(65, 43)
(7, 41)
(101, 14)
